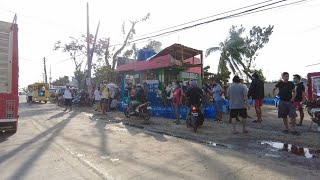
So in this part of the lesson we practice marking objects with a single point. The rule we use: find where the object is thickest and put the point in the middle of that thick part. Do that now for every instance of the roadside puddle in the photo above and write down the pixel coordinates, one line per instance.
(293, 149)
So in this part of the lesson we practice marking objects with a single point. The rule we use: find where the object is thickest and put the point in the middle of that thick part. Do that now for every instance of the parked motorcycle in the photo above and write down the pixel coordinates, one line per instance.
(195, 119)
(313, 109)
(82, 99)
(60, 101)
(142, 111)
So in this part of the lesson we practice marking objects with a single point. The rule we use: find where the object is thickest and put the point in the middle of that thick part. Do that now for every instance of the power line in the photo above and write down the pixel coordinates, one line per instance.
(204, 18)
(274, 7)
(313, 64)
(246, 12)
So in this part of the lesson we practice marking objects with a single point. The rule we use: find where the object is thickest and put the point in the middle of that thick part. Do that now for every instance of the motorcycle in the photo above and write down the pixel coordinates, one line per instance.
(195, 119)
(142, 111)
(313, 109)
(82, 99)
(60, 101)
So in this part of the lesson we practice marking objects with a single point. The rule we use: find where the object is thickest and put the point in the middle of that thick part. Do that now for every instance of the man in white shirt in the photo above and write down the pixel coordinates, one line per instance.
(68, 98)
(30, 95)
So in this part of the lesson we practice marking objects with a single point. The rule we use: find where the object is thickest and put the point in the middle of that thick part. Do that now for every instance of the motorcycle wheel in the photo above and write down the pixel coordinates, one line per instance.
(195, 128)
(187, 123)
(147, 115)
(126, 113)
(194, 122)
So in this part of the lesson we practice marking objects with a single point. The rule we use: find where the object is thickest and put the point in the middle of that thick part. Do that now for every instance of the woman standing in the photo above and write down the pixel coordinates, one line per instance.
(97, 99)
(177, 100)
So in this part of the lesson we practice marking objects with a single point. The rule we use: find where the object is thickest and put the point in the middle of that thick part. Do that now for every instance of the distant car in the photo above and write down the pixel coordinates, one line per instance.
(21, 92)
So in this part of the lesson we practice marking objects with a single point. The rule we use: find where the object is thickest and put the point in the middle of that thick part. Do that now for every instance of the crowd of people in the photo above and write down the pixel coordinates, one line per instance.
(178, 94)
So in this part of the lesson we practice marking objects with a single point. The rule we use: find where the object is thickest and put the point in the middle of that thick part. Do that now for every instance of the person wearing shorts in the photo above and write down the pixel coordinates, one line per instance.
(238, 103)
(256, 92)
(67, 98)
(286, 107)
(300, 97)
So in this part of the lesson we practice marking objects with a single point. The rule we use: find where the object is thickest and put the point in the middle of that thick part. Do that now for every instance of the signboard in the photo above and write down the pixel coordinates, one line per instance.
(152, 85)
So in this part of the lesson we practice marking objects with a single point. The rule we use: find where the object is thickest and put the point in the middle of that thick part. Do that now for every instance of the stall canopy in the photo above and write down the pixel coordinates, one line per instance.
(175, 55)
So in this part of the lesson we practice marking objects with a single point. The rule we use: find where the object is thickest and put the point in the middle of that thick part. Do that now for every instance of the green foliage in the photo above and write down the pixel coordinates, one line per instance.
(102, 73)
(62, 81)
(223, 72)
(206, 69)
(261, 75)
(240, 51)
(154, 45)
(77, 49)
(80, 77)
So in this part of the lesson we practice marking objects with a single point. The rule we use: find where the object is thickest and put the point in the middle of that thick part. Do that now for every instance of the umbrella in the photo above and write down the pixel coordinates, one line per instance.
(112, 85)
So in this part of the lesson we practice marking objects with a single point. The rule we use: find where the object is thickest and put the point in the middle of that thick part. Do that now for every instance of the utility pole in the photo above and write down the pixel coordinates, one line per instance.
(88, 45)
(45, 71)
(50, 78)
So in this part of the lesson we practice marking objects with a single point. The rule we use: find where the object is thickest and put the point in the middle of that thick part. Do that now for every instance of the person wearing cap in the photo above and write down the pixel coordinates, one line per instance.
(238, 103)
(256, 92)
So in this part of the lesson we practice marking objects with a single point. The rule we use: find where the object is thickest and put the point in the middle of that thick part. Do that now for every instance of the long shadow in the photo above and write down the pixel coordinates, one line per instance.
(100, 125)
(56, 116)
(27, 165)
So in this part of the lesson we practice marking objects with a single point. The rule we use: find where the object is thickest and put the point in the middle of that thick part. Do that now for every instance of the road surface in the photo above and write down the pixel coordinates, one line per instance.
(52, 144)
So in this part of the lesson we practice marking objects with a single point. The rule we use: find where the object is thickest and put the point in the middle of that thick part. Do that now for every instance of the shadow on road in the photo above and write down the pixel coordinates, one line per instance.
(48, 134)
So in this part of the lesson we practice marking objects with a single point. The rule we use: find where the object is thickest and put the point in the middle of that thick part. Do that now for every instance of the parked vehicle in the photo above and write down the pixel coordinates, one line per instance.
(195, 119)
(9, 73)
(40, 92)
(313, 102)
(142, 111)
(82, 99)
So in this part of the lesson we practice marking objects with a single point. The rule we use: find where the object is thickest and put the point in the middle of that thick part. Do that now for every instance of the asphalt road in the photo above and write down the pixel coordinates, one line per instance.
(52, 144)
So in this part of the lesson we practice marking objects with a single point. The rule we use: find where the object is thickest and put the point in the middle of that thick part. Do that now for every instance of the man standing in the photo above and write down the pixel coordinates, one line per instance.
(30, 95)
(218, 99)
(238, 102)
(104, 93)
(256, 92)
(300, 97)
(68, 98)
(286, 107)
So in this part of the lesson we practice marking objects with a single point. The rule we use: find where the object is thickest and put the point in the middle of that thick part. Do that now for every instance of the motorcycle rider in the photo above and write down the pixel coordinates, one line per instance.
(139, 98)
(194, 94)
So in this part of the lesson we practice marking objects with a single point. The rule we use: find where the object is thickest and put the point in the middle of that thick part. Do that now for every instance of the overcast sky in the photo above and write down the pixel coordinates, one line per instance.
(293, 45)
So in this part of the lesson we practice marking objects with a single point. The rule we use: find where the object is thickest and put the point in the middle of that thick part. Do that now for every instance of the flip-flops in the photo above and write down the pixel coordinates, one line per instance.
(296, 133)
(256, 121)
(285, 131)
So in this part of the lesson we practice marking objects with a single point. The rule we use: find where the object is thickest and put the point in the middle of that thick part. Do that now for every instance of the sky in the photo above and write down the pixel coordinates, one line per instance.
(292, 46)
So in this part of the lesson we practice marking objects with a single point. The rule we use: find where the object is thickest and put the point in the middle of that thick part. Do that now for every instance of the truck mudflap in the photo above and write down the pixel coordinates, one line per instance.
(8, 125)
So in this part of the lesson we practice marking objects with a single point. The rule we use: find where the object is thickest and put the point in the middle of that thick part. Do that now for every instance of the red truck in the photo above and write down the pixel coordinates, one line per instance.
(9, 74)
